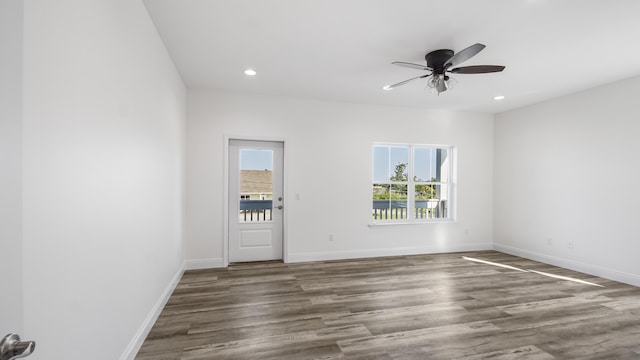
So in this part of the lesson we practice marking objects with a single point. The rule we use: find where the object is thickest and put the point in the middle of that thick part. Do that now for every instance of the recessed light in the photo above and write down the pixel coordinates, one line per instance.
(499, 97)
(387, 87)
(250, 72)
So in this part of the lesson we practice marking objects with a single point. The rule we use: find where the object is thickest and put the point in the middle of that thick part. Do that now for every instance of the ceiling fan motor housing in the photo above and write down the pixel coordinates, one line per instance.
(437, 59)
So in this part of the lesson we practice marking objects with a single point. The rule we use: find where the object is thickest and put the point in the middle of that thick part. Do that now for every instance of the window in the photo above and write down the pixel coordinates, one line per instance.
(255, 185)
(411, 183)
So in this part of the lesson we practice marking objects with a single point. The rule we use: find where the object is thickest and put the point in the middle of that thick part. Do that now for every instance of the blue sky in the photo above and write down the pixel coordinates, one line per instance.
(385, 160)
(256, 159)
(386, 157)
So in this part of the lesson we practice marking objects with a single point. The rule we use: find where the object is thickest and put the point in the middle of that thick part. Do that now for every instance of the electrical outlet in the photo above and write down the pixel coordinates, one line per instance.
(549, 241)
(570, 244)
(331, 237)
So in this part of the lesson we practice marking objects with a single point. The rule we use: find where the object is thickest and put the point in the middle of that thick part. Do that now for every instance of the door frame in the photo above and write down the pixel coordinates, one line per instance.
(285, 231)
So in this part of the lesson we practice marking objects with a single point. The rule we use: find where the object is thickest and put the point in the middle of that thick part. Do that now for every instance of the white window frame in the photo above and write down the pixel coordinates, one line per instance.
(450, 185)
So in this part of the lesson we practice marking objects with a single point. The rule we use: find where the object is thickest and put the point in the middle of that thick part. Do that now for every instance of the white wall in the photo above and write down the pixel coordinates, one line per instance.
(328, 162)
(11, 165)
(567, 169)
(103, 137)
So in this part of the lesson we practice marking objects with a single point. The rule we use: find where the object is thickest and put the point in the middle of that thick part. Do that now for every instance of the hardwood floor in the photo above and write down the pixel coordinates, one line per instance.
(439, 306)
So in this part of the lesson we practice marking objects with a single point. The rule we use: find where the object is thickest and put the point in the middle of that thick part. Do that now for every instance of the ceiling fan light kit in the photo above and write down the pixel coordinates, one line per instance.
(444, 61)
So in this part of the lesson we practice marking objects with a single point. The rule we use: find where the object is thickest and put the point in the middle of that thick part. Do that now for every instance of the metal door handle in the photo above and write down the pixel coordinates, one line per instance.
(12, 348)
(279, 208)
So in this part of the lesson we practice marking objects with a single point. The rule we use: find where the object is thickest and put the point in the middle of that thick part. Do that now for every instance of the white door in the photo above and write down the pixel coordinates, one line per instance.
(256, 203)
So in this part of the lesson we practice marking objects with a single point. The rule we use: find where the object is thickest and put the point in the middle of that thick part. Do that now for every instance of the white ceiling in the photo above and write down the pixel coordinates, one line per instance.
(342, 50)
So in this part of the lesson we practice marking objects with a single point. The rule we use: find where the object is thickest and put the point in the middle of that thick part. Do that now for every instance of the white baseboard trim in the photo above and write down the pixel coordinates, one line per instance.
(358, 254)
(611, 274)
(204, 264)
(134, 346)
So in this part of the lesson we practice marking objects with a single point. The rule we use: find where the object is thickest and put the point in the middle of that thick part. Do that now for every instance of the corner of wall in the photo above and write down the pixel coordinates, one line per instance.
(136, 343)
(602, 272)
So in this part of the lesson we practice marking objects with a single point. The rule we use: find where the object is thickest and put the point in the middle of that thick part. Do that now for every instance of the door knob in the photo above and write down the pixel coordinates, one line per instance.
(279, 208)
(12, 348)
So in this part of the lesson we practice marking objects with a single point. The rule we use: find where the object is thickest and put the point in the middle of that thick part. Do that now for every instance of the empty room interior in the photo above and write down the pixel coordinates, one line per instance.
(320, 179)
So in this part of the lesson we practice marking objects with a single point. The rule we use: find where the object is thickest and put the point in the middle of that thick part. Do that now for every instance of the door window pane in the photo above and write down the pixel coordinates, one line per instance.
(256, 185)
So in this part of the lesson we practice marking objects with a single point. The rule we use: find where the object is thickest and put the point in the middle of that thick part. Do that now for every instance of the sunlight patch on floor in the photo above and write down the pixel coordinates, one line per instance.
(567, 278)
(493, 263)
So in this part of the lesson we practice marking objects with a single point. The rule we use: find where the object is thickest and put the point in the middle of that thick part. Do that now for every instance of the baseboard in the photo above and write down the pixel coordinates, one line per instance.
(134, 346)
(369, 253)
(611, 274)
(204, 264)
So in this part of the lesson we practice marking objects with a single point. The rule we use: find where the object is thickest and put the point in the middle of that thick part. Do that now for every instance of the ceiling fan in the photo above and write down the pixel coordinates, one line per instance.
(442, 62)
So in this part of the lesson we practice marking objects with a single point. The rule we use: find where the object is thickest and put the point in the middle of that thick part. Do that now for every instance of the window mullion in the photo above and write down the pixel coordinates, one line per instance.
(410, 188)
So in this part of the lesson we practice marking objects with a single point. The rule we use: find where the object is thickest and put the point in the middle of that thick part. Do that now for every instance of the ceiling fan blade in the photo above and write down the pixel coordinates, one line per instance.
(477, 69)
(407, 81)
(411, 65)
(464, 55)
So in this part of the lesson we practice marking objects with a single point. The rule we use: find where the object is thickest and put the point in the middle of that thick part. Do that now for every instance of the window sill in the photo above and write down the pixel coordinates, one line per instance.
(412, 223)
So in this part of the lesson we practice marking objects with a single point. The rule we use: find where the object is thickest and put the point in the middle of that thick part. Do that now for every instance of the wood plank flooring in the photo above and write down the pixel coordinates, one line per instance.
(440, 306)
